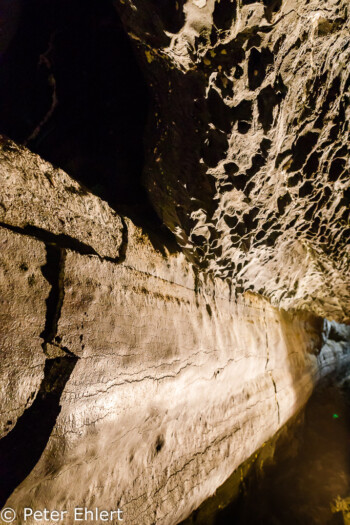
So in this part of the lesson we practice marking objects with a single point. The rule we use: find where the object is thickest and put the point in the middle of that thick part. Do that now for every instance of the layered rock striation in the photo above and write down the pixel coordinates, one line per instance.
(138, 374)
(143, 383)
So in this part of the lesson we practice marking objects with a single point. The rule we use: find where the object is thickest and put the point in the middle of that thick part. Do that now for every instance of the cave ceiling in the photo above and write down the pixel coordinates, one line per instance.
(250, 164)
(224, 122)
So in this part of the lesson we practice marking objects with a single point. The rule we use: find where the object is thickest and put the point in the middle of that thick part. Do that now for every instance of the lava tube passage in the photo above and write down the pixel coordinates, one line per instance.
(174, 262)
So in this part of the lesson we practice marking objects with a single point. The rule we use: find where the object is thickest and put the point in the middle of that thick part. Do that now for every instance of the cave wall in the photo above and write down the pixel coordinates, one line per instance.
(143, 382)
(244, 157)
(250, 163)
(136, 374)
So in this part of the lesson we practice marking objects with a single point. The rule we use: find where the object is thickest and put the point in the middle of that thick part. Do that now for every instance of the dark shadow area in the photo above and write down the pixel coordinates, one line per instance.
(309, 469)
(72, 91)
(21, 448)
(300, 489)
(257, 65)
(61, 240)
(224, 13)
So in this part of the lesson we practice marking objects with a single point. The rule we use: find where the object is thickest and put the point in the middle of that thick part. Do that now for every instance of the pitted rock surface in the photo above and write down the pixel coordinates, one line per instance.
(22, 317)
(250, 168)
(136, 374)
(142, 381)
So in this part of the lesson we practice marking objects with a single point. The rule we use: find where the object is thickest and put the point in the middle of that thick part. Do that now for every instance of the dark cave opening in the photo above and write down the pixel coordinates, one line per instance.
(72, 91)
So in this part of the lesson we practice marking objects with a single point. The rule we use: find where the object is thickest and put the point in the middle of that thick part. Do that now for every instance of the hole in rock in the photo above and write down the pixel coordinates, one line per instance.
(231, 221)
(301, 148)
(214, 148)
(198, 240)
(332, 96)
(254, 41)
(282, 202)
(24, 267)
(267, 100)
(309, 213)
(258, 161)
(306, 189)
(336, 169)
(239, 181)
(249, 219)
(219, 111)
(159, 444)
(224, 13)
(265, 146)
(257, 64)
(243, 111)
(243, 127)
(213, 36)
(315, 226)
(73, 92)
(249, 187)
(271, 7)
(294, 180)
(225, 85)
(312, 164)
(281, 157)
(238, 72)
(231, 168)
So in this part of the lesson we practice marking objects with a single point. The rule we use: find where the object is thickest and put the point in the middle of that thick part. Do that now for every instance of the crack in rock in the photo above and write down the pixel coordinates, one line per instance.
(21, 449)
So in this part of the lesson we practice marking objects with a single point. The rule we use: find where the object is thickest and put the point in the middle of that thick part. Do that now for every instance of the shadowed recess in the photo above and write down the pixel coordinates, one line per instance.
(21, 449)
(72, 91)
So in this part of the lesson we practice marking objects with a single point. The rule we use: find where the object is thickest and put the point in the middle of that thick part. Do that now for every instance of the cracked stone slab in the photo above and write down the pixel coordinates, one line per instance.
(36, 194)
(22, 317)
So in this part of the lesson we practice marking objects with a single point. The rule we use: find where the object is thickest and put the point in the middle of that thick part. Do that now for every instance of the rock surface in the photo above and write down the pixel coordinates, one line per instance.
(137, 377)
(30, 187)
(250, 166)
(158, 381)
(22, 313)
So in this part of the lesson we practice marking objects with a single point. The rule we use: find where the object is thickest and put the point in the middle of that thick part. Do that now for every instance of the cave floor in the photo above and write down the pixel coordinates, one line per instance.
(308, 484)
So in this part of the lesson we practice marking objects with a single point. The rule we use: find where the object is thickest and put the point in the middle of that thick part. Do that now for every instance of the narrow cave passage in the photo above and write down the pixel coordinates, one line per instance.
(302, 487)
(308, 480)
(72, 91)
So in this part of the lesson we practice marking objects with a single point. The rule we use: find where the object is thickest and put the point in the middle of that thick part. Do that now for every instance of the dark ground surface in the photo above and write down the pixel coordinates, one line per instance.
(309, 472)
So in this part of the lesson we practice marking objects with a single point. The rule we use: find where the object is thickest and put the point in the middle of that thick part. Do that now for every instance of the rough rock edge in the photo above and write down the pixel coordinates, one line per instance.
(42, 201)
(260, 166)
(140, 267)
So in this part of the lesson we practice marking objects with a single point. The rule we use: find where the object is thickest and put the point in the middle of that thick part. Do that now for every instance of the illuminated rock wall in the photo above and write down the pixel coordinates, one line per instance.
(248, 145)
(132, 380)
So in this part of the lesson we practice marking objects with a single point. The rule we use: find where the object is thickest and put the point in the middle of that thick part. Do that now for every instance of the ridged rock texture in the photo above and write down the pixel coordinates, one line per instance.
(250, 168)
(131, 380)
(139, 373)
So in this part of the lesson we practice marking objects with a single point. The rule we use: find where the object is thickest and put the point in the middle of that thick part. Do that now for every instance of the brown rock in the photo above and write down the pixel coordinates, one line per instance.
(24, 291)
(250, 167)
(45, 200)
(174, 387)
